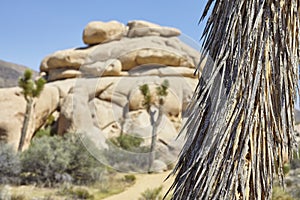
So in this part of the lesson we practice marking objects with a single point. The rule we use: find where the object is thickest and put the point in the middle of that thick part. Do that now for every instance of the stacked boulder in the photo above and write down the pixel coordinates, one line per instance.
(116, 50)
(98, 85)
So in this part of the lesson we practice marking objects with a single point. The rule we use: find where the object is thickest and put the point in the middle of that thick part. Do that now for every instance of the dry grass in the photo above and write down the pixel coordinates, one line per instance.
(114, 184)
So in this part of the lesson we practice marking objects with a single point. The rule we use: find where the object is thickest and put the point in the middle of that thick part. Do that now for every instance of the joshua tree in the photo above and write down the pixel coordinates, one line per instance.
(31, 90)
(238, 136)
(161, 92)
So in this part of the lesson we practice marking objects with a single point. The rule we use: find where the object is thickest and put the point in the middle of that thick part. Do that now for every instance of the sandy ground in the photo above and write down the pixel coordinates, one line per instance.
(143, 182)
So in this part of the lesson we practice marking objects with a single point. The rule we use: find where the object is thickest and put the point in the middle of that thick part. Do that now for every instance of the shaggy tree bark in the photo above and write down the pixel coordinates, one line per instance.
(26, 121)
(242, 117)
(154, 124)
(148, 102)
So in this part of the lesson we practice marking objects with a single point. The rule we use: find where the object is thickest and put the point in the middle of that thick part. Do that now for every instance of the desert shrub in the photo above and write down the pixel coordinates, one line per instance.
(75, 192)
(10, 166)
(82, 193)
(52, 160)
(286, 169)
(124, 160)
(152, 194)
(279, 194)
(170, 166)
(47, 129)
(83, 167)
(125, 153)
(129, 178)
(43, 132)
(127, 142)
(46, 161)
(17, 197)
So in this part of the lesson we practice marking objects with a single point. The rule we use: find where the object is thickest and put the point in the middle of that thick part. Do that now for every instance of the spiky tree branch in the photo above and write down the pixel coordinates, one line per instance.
(241, 117)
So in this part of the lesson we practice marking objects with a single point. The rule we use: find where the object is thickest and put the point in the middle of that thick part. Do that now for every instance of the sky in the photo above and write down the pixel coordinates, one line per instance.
(33, 29)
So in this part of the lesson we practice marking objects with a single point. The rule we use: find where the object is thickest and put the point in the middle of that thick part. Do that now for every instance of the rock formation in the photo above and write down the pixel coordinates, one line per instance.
(95, 89)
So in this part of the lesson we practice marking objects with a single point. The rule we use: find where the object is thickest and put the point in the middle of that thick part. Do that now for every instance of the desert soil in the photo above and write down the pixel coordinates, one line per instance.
(144, 182)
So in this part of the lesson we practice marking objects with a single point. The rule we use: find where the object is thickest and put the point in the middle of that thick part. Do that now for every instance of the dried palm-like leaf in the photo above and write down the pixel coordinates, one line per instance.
(240, 129)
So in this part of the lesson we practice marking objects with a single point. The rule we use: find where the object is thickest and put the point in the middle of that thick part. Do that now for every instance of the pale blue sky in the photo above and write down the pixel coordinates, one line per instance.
(32, 29)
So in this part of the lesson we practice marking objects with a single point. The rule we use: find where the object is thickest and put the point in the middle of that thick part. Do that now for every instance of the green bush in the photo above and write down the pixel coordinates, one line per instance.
(52, 160)
(279, 194)
(10, 166)
(17, 197)
(152, 194)
(43, 132)
(129, 178)
(75, 192)
(124, 160)
(82, 193)
(127, 142)
(45, 162)
(286, 169)
(83, 167)
(125, 153)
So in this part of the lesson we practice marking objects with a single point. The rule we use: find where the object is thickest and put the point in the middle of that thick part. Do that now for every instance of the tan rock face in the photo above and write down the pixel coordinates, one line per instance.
(70, 58)
(46, 104)
(154, 56)
(95, 89)
(12, 107)
(100, 32)
(105, 113)
(172, 105)
(76, 116)
(118, 57)
(151, 70)
(139, 28)
(63, 73)
(138, 123)
(13, 110)
(111, 67)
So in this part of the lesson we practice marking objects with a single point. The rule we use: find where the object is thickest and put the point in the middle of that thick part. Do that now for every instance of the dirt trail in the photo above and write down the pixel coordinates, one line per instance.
(143, 182)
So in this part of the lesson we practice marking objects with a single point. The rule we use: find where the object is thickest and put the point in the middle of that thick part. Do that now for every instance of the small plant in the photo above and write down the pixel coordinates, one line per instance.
(124, 161)
(170, 166)
(53, 160)
(82, 193)
(75, 192)
(127, 142)
(129, 178)
(279, 194)
(17, 197)
(152, 194)
(286, 169)
(42, 132)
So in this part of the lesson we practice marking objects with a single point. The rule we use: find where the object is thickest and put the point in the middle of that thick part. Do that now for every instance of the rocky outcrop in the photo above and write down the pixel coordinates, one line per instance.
(13, 110)
(100, 32)
(116, 52)
(95, 89)
(139, 28)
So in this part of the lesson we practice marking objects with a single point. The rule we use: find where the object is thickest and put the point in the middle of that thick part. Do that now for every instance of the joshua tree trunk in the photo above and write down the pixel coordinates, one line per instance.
(27, 117)
(241, 119)
(155, 125)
